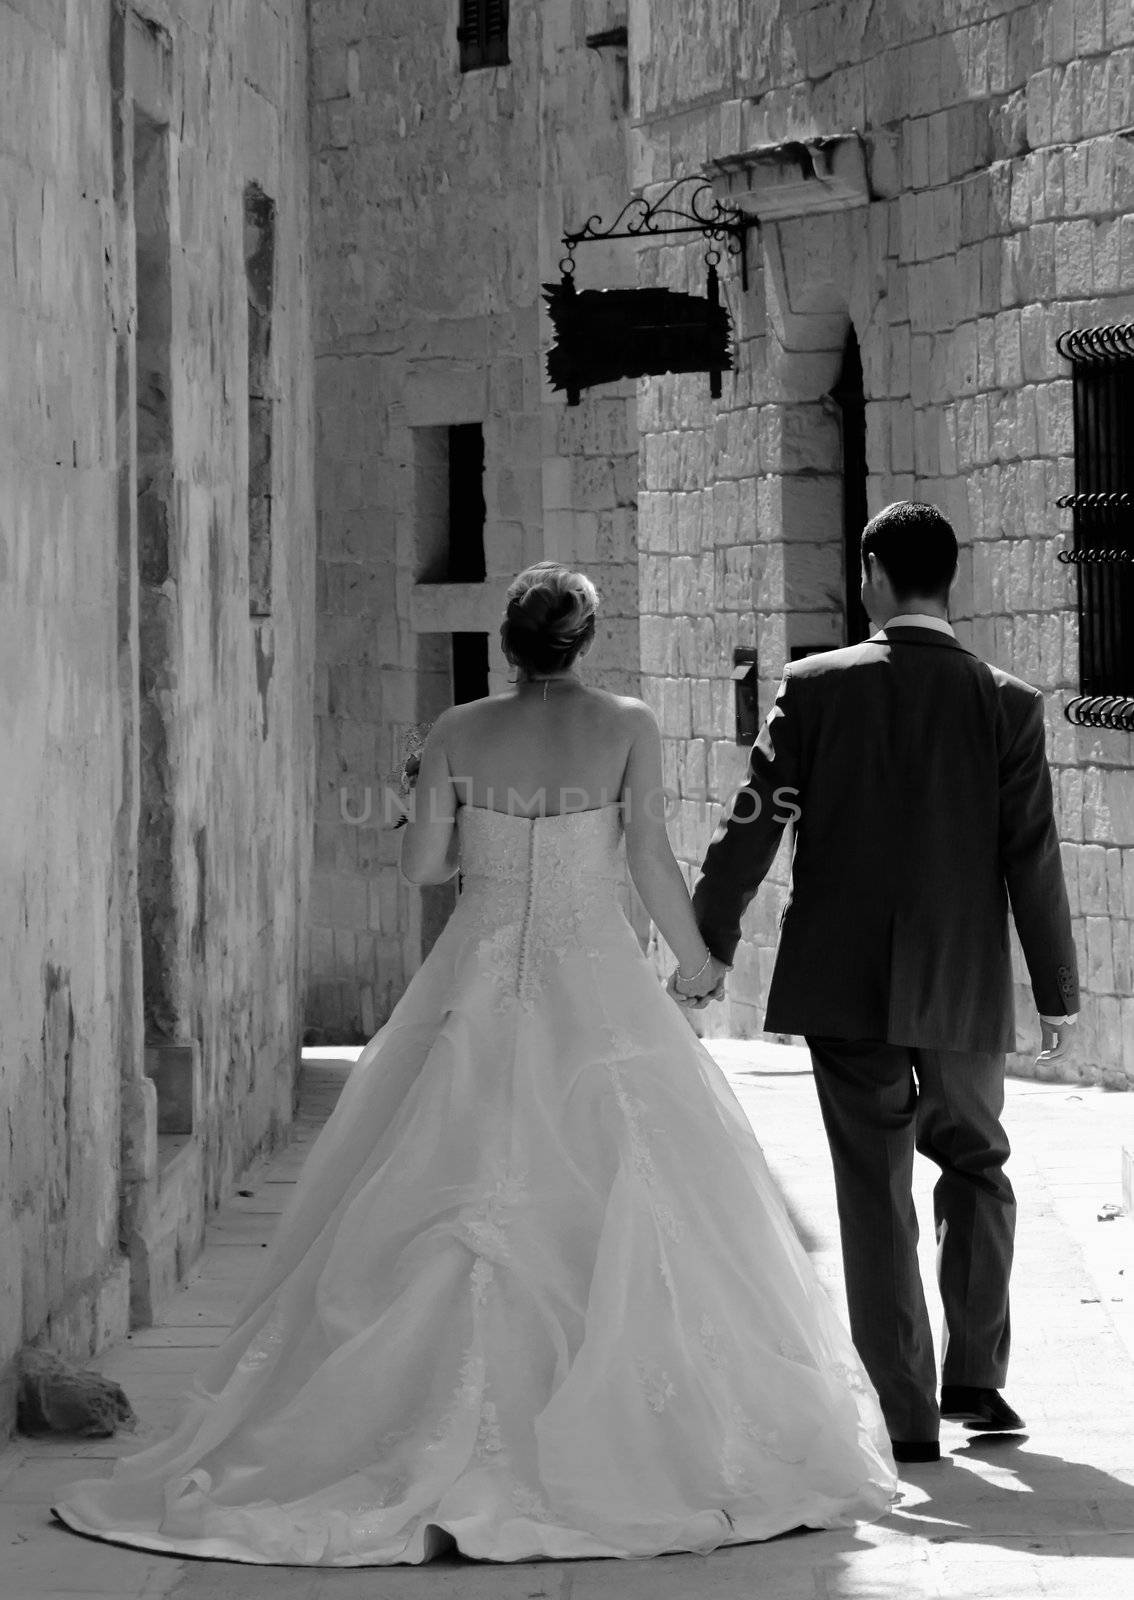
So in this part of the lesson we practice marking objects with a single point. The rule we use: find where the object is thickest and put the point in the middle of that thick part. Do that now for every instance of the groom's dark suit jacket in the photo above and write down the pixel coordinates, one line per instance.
(925, 811)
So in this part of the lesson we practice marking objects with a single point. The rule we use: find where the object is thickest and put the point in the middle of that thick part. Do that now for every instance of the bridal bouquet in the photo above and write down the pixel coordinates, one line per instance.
(404, 779)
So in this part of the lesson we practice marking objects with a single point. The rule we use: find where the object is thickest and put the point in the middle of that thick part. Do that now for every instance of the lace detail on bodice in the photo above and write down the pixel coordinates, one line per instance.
(536, 889)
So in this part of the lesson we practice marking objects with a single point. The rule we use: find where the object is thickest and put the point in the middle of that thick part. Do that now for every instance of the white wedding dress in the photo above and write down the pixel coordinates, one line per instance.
(536, 1292)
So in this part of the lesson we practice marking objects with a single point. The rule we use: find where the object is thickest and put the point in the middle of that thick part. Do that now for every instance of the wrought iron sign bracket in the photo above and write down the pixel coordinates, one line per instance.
(716, 222)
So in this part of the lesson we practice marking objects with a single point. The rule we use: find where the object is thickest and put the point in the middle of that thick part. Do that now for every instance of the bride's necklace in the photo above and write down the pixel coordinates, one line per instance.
(559, 677)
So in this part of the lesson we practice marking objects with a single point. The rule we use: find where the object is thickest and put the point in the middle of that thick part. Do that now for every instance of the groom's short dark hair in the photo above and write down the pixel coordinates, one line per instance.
(916, 546)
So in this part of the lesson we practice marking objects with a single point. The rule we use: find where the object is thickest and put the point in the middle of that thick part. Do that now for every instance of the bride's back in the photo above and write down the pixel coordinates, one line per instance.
(532, 756)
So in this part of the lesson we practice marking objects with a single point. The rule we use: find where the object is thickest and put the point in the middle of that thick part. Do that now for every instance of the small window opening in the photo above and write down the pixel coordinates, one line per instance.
(470, 667)
(466, 503)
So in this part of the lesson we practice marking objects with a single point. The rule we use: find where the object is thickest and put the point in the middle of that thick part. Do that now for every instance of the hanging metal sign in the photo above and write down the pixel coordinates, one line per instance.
(602, 335)
(605, 334)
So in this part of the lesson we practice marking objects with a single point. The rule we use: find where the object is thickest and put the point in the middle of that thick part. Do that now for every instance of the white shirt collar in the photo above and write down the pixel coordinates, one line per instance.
(917, 619)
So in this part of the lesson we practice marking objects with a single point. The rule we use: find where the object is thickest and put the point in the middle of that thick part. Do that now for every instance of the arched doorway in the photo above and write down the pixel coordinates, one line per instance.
(848, 393)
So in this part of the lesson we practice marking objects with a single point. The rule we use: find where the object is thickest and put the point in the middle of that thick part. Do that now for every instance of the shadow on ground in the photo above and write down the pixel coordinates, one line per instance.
(997, 1490)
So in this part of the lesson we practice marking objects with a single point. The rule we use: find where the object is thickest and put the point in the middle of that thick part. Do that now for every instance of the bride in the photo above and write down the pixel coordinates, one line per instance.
(536, 1294)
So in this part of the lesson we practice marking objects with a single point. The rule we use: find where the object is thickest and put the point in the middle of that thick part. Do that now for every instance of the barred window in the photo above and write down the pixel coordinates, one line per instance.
(1102, 506)
(483, 34)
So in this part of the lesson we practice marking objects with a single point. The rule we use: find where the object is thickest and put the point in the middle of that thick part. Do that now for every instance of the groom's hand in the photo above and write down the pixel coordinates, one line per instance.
(1056, 1039)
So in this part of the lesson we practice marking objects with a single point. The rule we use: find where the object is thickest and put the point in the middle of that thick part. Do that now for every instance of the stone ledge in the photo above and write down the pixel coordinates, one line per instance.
(175, 1070)
(795, 179)
(167, 1235)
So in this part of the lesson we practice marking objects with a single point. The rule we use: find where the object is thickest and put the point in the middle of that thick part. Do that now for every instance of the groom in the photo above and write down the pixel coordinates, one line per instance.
(918, 783)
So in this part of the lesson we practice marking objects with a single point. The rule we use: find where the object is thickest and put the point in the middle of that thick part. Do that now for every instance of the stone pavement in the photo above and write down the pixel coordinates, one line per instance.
(1048, 1514)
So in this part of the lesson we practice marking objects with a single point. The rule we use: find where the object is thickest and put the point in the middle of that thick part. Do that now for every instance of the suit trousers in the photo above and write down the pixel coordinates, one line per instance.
(880, 1102)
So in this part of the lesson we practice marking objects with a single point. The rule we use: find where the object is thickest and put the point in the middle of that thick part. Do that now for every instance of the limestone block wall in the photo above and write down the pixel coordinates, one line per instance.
(997, 216)
(439, 203)
(140, 700)
(590, 451)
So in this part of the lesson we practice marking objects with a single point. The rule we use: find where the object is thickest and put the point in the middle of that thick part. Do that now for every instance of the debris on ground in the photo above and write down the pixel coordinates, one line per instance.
(56, 1397)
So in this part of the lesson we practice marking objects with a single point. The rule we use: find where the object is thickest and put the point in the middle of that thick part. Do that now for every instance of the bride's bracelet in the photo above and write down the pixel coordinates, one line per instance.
(681, 978)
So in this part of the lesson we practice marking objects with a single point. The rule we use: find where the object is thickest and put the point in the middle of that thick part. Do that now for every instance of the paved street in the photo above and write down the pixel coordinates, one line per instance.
(1050, 1514)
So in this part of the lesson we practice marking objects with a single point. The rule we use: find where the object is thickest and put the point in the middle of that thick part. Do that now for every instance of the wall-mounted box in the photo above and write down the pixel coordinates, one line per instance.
(747, 695)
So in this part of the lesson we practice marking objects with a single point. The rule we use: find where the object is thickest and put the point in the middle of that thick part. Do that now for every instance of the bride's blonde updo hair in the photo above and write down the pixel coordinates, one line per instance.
(549, 617)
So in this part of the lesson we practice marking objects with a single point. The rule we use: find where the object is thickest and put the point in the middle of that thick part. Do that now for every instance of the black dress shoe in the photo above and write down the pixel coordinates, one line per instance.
(915, 1449)
(983, 1410)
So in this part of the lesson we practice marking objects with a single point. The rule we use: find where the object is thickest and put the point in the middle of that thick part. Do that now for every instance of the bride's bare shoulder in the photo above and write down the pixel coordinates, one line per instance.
(624, 703)
(631, 710)
(470, 709)
(477, 719)
(618, 709)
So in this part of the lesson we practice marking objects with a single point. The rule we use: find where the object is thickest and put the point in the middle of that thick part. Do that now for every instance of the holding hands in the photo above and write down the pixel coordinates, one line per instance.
(698, 988)
(657, 877)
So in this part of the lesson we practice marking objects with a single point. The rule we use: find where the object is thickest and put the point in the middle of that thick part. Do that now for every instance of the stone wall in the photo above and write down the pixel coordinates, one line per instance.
(999, 172)
(440, 198)
(156, 802)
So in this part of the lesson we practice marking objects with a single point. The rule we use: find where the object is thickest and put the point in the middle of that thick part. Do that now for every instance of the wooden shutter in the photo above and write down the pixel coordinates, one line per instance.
(482, 34)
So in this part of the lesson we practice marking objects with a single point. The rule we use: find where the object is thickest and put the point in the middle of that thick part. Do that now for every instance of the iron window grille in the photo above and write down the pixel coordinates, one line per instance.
(482, 34)
(1102, 506)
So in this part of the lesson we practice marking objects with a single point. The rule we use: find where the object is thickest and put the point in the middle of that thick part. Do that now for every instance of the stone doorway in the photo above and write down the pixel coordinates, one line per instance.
(850, 397)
